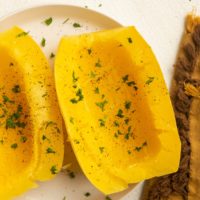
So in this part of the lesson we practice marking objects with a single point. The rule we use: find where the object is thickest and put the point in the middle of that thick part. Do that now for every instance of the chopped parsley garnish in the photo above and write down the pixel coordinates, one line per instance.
(16, 89)
(139, 148)
(96, 90)
(22, 34)
(150, 80)
(107, 198)
(50, 150)
(129, 152)
(127, 135)
(14, 146)
(1, 141)
(127, 105)
(126, 120)
(118, 133)
(23, 139)
(102, 104)
(102, 122)
(71, 120)
(49, 123)
(80, 96)
(52, 55)
(92, 74)
(116, 123)
(54, 170)
(131, 83)
(76, 25)
(64, 198)
(44, 137)
(6, 99)
(71, 174)
(66, 20)
(101, 149)
(43, 42)
(87, 194)
(98, 63)
(76, 141)
(100, 5)
(74, 78)
(125, 78)
(130, 40)
(48, 21)
(120, 113)
(89, 51)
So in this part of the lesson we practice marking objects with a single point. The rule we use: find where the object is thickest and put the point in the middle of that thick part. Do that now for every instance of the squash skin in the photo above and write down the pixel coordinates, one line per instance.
(41, 156)
(104, 159)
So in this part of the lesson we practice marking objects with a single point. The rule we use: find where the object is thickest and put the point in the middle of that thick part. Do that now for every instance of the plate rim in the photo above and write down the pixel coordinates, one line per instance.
(52, 4)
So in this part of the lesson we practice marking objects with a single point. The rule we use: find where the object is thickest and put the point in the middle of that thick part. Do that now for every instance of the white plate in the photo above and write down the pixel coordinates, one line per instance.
(32, 20)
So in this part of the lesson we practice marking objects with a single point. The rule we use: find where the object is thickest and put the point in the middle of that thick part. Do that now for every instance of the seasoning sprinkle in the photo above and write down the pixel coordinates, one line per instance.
(102, 104)
(43, 42)
(150, 80)
(54, 170)
(48, 21)
(50, 150)
(76, 25)
(14, 146)
(120, 113)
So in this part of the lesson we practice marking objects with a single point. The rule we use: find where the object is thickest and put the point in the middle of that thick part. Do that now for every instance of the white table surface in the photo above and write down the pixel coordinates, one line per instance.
(161, 24)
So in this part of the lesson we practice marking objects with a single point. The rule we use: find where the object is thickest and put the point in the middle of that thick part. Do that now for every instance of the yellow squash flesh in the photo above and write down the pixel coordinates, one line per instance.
(116, 108)
(31, 138)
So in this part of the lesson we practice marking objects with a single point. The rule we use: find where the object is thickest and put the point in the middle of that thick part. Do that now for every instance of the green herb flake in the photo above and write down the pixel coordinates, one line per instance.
(43, 42)
(98, 63)
(131, 83)
(22, 34)
(49, 123)
(50, 150)
(100, 5)
(139, 148)
(73, 100)
(23, 139)
(71, 174)
(44, 137)
(101, 149)
(126, 120)
(52, 55)
(129, 152)
(130, 40)
(66, 20)
(87, 194)
(125, 78)
(92, 74)
(53, 170)
(76, 25)
(6, 99)
(107, 198)
(10, 123)
(102, 122)
(1, 141)
(102, 104)
(71, 120)
(150, 80)
(64, 198)
(77, 141)
(116, 123)
(96, 90)
(74, 78)
(120, 113)
(89, 51)
(127, 105)
(14, 146)
(16, 89)
(48, 21)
